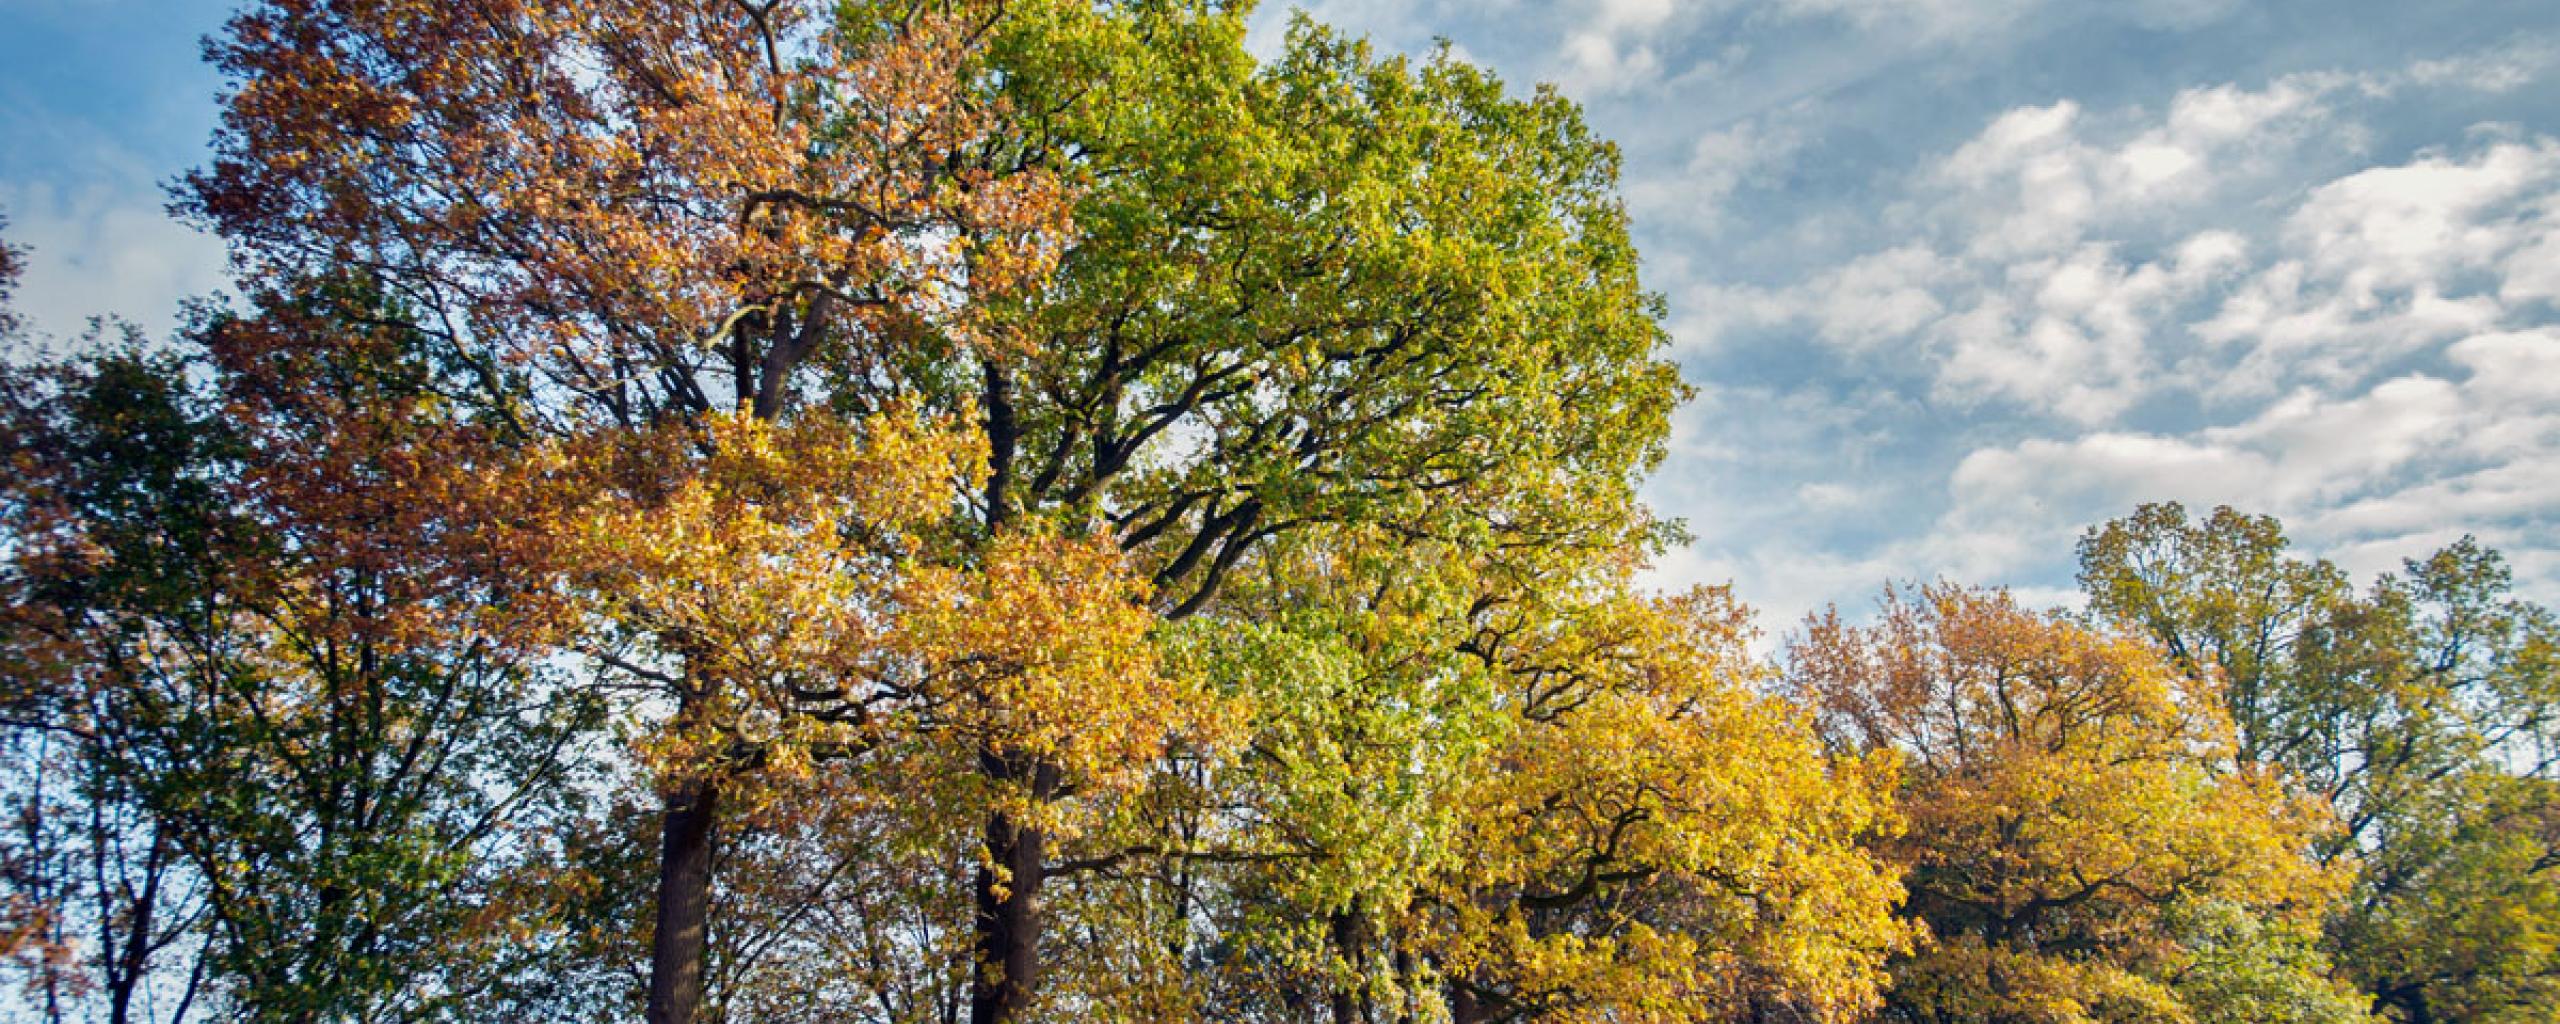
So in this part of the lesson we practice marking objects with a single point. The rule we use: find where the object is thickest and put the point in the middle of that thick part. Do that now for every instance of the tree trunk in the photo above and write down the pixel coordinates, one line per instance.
(1350, 946)
(1008, 921)
(1346, 1010)
(1463, 1008)
(684, 900)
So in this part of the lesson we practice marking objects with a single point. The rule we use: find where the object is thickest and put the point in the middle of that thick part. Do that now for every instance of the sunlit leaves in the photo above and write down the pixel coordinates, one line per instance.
(2420, 708)
(2065, 789)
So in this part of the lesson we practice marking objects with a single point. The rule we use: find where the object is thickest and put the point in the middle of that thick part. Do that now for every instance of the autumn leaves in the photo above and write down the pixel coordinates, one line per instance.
(2065, 794)
(778, 511)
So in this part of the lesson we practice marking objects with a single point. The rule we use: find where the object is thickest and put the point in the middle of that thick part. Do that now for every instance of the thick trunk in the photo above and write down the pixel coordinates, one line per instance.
(1008, 922)
(1350, 946)
(684, 900)
(1346, 1010)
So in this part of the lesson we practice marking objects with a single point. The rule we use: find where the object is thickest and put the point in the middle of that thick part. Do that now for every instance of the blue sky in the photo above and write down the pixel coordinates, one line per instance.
(1955, 278)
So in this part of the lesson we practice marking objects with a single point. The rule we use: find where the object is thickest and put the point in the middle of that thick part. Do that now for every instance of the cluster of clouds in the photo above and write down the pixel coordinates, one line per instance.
(105, 249)
(103, 101)
(1617, 46)
(2127, 306)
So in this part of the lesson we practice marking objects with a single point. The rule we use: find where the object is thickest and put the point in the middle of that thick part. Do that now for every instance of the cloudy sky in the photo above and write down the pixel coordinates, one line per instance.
(1954, 278)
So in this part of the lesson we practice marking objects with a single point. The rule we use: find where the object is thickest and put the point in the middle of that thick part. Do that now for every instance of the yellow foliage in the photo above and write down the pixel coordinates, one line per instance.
(1659, 842)
(2065, 790)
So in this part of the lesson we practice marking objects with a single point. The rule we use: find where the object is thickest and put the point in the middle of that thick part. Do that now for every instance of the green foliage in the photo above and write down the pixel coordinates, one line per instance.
(2234, 966)
(2422, 710)
(1041, 515)
(334, 794)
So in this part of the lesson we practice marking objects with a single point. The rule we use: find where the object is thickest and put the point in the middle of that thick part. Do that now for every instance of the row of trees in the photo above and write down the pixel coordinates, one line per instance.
(916, 511)
(2236, 788)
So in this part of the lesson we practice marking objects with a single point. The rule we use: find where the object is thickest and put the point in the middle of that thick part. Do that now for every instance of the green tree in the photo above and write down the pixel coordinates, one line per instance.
(2422, 709)
(319, 729)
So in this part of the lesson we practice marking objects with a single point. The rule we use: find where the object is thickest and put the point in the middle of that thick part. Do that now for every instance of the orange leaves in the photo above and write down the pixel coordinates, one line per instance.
(602, 191)
(1042, 653)
(2066, 789)
(794, 584)
(1951, 674)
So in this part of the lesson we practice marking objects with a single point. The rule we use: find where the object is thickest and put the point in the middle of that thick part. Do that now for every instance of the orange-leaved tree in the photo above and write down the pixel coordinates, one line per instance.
(2073, 811)
(628, 225)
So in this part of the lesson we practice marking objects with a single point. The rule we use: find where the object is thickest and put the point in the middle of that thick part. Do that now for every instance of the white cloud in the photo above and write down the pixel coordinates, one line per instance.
(1721, 162)
(2400, 226)
(1928, 19)
(100, 251)
(2197, 304)
(2499, 70)
(1879, 296)
(1942, 21)
(2030, 289)
(2025, 302)
(2041, 179)
(1613, 47)
(2385, 468)
(2072, 334)
(2395, 260)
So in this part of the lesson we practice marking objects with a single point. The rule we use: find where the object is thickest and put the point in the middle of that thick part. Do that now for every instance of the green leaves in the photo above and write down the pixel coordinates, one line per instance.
(2421, 709)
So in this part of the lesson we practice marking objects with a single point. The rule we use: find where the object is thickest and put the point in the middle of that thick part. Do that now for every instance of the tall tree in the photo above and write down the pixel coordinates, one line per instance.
(2425, 709)
(234, 593)
(1336, 289)
(2067, 805)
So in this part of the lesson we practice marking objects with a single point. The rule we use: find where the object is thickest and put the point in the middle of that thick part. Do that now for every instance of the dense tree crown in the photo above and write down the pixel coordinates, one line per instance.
(2072, 818)
(2422, 709)
(729, 511)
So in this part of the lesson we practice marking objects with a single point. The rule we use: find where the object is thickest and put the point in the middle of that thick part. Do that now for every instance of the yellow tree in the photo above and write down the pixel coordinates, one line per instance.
(1507, 786)
(1655, 838)
(2070, 799)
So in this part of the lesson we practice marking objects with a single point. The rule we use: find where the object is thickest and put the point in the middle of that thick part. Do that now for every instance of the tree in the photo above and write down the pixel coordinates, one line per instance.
(1654, 839)
(2421, 709)
(2069, 805)
(1504, 785)
(1335, 290)
(12, 266)
(313, 714)
(2454, 915)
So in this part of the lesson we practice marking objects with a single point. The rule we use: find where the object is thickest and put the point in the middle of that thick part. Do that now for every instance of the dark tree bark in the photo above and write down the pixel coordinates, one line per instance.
(1008, 919)
(684, 899)
(1463, 1007)
(1349, 934)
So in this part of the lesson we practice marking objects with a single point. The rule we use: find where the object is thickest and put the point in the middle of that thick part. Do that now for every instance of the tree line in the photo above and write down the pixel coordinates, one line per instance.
(901, 511)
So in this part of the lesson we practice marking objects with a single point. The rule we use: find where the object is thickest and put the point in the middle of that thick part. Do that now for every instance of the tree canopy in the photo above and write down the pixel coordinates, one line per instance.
(902, 511)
